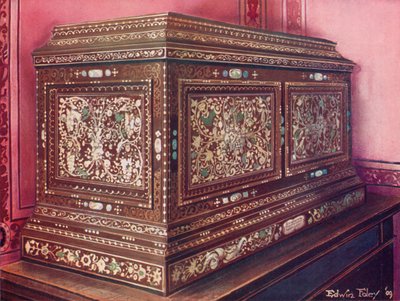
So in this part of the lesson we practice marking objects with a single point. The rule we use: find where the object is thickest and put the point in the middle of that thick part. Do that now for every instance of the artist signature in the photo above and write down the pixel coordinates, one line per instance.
(359, 294)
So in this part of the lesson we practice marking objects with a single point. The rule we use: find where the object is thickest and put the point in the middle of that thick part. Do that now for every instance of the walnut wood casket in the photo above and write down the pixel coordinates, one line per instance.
(171, 146)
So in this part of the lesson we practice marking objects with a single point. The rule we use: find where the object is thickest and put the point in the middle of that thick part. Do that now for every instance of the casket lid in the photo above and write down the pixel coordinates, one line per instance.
(177, 36)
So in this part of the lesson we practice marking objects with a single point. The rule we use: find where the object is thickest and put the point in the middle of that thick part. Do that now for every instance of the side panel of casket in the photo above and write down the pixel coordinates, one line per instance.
(228, 130)
(229, 133)
(100, 172)
(317, 126)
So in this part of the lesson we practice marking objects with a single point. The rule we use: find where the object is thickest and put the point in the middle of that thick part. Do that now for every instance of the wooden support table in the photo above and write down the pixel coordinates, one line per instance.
(320, 261)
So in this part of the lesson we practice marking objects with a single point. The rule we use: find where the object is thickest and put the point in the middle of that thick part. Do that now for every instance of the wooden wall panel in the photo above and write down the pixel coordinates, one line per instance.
(253, 13)
(275, 15)
(11, 211)
(294, 16)
(379, 173)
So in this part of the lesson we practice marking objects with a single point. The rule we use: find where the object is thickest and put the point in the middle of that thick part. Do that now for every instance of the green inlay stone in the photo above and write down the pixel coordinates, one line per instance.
(204, 172)
(85, 113)
(118, 117)
(240, 116)
(113, 266)
(209, 120)
(235, 73)
(174, 144)
(82, 173)
(262, 234)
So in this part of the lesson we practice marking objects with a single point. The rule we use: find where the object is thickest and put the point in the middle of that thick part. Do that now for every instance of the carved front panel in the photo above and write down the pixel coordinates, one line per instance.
(99, 141)
(316, 125)
(99, 138)
(229, 134)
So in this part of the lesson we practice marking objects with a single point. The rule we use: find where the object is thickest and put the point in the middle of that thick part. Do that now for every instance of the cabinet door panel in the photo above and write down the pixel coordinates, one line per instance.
(230, 134)
(98, 142)
(316, 125)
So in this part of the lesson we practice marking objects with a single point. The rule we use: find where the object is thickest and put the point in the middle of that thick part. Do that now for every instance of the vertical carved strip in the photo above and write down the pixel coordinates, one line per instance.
(253, 13)
(4, 58)
(9, 228)
(294, 19)
(5, 234)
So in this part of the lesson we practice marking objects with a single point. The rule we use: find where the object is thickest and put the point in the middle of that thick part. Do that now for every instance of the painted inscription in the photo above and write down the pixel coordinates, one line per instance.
(362, 293)
(294, 224)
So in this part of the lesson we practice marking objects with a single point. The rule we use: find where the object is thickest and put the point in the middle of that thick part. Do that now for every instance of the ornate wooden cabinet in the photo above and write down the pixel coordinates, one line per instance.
(171, 146)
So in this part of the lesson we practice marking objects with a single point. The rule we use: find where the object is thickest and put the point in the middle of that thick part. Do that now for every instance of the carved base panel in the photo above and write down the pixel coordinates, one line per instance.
(124, 269)
(139, 254)
(199, 265)
(183, 146)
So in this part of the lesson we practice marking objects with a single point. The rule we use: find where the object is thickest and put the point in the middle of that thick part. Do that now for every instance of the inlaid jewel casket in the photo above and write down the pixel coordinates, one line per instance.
(171, 146)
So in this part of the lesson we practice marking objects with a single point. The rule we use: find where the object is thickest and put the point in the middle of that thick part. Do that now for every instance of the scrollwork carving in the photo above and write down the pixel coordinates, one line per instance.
(224, 128)
(197, 266)
(108, 222)
(257, 59)
(127, 270)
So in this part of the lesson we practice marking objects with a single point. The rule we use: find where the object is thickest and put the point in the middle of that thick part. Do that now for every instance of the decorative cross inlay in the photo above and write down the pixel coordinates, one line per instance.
(255, 74)
(117, 209)
(76, 73)
(216, 73)
(114, 72)
(253, 192)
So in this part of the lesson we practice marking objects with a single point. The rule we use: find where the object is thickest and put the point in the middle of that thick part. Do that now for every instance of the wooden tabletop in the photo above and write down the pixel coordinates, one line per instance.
(231, 283)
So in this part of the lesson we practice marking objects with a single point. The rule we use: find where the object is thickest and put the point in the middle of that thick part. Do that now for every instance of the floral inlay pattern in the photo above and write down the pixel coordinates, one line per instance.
(328, 209)
(230, 135)
(108, 222)
(201, 264)
(137, 272)
(316, 124)
(204, 263)
(100, 138)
